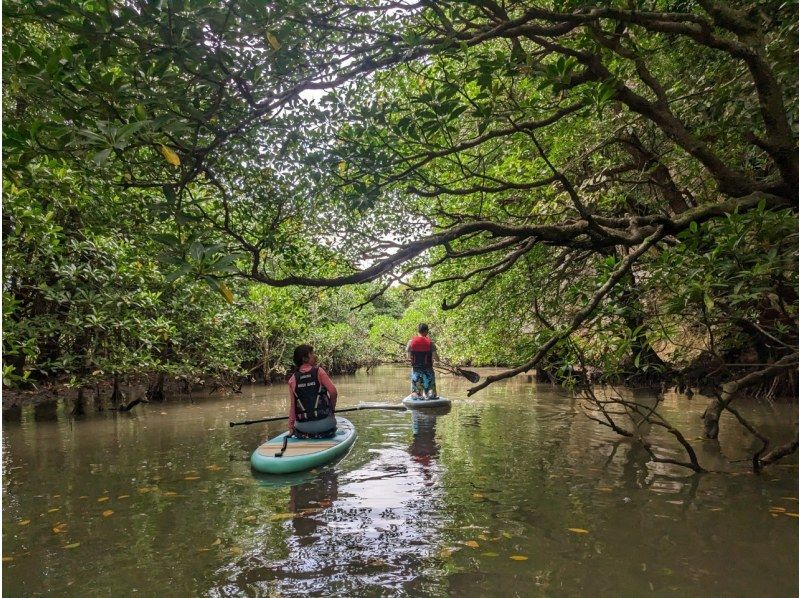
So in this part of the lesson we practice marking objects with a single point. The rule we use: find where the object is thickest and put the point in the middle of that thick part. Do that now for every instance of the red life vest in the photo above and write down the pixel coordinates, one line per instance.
(421, 353)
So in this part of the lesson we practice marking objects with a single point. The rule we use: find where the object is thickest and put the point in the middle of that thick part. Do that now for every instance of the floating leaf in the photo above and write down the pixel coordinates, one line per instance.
(121, 496)
(471, 544)
(192, 477)
(60, 528)
(518, 557)
(25, 522)
(492, 554)
(791, 514)
(102, 499)
(478, 496)
(216, 542)
(675, 502)
(716, 509)
(8, 559)
(507, 535)
(213, 468)
(282, 516)
(144, 490)
(446, 552)
(53, 510)
(170, 156)
(578, 530)
(108, 513)
(273, 41)
(73, 545)
(250, 518)
(777, 509)
(789, 498)
(483, 536)
(170, 493)
(605, 489)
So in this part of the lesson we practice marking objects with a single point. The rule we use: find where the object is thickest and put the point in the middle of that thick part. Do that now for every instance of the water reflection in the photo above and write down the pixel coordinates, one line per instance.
(483, 500)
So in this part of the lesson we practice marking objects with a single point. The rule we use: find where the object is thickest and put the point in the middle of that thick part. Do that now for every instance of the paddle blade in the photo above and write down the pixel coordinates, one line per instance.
(470, 375)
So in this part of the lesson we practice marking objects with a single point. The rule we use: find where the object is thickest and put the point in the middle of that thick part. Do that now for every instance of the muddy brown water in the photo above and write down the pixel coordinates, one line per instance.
(512, 492)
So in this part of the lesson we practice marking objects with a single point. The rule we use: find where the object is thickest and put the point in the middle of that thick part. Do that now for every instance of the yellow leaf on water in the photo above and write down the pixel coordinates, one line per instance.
(170, 493)
(578, 530)
(54, 510)
(777, 509)
(477, 495)
(8, 559)
(605, 489)
(789, 498)
(192, 477)
(446, 552)
(216, 542)
(518, 557)
(250, 518)
(170, 156)
(791, 514)
(213, 468)
(144, 490)
(716, 509)
(483, 536)
(203, 549)
(507, 535)
(471, 544)
(492, 554)
(73, 545)
(108, 513)
(25, 522)
(60, 528)
(281, 516)
(273, 41)
(121, 496)
(84, 496)
(102, 499)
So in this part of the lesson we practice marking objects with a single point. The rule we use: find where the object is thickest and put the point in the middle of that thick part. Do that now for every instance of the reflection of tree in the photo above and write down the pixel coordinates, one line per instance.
(317, 494)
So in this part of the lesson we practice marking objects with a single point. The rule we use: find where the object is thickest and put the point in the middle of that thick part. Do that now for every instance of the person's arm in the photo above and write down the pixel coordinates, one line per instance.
(292, 409)
(325, 380)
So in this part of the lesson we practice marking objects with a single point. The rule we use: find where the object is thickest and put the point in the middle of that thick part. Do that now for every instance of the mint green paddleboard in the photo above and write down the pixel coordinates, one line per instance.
(302, 454)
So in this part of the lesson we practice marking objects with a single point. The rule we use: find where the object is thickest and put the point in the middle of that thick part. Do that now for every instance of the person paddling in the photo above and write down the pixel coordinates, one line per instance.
(421, 351)
(312, 396)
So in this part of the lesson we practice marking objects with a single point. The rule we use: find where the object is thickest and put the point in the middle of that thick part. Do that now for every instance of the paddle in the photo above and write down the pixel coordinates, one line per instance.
(444, 366)
(359, 408)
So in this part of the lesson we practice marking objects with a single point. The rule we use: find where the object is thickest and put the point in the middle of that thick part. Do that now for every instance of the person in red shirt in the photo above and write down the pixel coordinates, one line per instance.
(312, 395)
(421, 350)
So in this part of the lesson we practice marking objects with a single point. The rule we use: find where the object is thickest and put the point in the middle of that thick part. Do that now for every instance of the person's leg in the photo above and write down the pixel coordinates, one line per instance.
(432, 385)
(416, 382)
(426, 382)
(315, 427)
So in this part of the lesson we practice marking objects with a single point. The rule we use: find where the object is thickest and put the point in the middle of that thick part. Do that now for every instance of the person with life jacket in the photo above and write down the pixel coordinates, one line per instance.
(421, 351)
(312, 396)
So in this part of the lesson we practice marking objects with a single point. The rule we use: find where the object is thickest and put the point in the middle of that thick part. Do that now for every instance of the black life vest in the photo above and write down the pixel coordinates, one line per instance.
(311, 397)
(421, 351)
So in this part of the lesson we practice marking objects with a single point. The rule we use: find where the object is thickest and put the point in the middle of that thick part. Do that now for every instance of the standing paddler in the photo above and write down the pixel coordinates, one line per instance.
(421, 351)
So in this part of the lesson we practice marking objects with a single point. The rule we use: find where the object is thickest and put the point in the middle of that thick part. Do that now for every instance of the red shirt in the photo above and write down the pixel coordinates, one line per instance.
(323, 378)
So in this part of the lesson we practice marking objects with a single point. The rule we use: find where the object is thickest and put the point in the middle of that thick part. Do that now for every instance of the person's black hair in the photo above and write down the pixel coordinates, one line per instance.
(422, 329)
(300, 353)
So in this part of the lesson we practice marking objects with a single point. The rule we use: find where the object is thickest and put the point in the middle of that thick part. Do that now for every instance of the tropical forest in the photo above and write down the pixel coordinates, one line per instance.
(568, 228)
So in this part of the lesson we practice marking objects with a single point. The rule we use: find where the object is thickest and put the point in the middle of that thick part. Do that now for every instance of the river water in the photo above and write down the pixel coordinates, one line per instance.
(513, 492)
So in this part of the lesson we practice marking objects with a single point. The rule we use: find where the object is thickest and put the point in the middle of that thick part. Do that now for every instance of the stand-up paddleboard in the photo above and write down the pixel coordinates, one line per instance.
(413, 401)
(302, 454)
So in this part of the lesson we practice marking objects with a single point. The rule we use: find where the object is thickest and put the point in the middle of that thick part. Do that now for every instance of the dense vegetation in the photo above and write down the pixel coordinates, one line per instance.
(591, 189)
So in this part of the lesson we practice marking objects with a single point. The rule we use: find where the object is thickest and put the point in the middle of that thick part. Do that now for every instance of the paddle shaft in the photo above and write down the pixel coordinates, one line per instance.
(281, 417)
